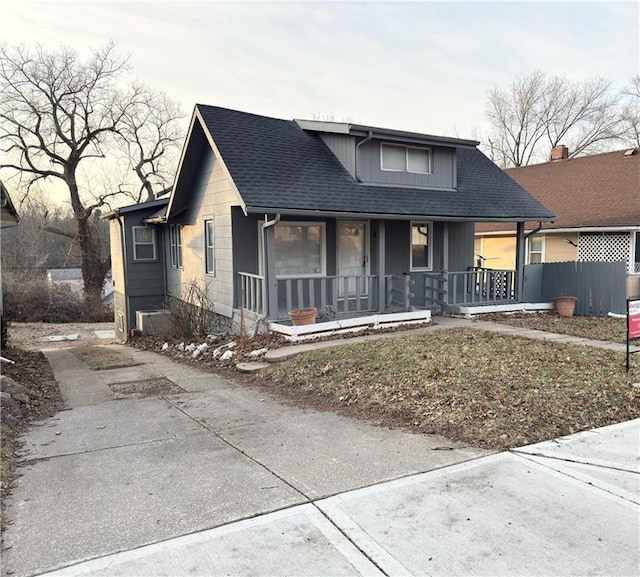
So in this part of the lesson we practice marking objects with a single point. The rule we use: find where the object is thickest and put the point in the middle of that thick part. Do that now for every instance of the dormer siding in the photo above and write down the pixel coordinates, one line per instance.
(367, 167)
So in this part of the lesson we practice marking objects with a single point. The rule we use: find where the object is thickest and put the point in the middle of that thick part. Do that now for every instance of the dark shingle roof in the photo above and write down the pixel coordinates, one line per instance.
(278, 166)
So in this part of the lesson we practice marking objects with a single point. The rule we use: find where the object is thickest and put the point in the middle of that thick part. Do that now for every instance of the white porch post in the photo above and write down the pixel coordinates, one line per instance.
(520, 260)
(382, 285)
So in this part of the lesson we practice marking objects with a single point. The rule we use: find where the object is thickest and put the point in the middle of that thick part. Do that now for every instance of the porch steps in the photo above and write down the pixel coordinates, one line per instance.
(351, 325)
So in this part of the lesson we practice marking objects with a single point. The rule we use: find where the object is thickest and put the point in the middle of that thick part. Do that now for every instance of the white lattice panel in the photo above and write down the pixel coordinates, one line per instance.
(604, 246)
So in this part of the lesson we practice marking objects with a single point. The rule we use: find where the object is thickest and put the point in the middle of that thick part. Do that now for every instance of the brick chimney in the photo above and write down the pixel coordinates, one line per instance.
(560, 152)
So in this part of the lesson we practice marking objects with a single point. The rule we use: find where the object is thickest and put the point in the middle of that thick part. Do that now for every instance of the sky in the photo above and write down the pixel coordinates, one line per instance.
(419, 66)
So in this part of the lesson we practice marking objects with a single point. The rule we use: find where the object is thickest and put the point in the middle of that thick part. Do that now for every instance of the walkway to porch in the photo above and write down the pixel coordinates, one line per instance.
(348, 296)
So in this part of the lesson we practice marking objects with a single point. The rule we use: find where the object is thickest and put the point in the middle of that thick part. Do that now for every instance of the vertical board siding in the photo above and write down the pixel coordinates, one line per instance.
(143, 277)
(601, 287)
(397, 261)
(344, 148)
(461, 240)
(442, 168)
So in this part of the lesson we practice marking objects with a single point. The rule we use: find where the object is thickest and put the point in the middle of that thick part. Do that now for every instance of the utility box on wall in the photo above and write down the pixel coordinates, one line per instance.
(153, 322)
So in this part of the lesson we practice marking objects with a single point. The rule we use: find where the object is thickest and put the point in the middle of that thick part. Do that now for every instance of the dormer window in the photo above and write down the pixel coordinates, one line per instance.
(405, 159)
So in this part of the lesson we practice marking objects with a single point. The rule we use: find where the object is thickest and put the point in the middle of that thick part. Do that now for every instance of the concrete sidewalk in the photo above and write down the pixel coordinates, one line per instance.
(220, 479)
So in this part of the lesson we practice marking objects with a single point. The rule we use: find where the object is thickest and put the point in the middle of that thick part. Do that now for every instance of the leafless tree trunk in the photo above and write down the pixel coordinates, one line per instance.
(536, 113)
(67, 120)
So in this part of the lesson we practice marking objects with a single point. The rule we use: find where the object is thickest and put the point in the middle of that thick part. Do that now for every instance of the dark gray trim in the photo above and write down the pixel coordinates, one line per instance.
(441, 218)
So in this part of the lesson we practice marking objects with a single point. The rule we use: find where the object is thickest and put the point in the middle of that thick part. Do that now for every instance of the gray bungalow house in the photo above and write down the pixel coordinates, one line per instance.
(269, 215)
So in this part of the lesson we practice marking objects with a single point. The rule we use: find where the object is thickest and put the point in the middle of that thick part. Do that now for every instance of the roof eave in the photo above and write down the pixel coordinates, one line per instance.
(388, 216)
(384, 133)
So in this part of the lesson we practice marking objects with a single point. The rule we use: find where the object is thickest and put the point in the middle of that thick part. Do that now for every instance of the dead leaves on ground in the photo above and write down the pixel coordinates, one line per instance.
(486, 389)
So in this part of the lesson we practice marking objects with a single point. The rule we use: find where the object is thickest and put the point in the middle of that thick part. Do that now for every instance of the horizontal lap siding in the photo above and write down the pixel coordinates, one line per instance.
(558, 249)
(211, 199)
(117, 261)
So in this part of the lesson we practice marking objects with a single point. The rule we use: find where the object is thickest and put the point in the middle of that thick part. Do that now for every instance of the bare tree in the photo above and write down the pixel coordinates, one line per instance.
(68, 120)
(631, 111)
(536, 113)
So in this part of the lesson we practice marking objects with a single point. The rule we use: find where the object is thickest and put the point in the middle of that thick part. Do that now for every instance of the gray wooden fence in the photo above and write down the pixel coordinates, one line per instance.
(601, 287)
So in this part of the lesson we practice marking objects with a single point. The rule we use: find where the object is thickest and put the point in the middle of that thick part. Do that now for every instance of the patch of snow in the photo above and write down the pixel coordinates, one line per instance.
(60, 338)
(165, 346)
(258, 352)
(190, 348)
(226, 355)
(180, 347)
(200, 349)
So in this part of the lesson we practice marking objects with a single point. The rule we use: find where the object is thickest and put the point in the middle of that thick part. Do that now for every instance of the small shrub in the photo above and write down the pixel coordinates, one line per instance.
(193, 314)
(28, 297)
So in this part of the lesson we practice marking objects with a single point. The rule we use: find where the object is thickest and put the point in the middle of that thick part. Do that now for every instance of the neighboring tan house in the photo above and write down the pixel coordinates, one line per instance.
(269, 215)
(596, 200)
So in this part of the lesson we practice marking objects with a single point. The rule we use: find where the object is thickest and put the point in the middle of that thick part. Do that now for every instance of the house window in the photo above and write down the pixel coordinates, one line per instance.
(175, 242)
(144, 243)
(636, 263)
(300, 249)
(535, 250)
(208, 241)
(405, 159)
(420, 246)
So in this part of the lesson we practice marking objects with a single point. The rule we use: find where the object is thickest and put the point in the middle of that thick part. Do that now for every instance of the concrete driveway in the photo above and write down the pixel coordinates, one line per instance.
(220, 479)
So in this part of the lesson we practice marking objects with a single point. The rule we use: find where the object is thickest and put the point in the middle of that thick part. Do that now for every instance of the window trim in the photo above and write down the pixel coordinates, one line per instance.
(429, 225)
(323, 247)
(153, 243)
(406, 158)
(209, 244)
(542, 250)
(175, 246)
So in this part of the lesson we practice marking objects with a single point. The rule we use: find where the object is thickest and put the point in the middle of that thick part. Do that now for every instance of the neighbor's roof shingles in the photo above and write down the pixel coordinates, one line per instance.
(278, 166)
(602, 190)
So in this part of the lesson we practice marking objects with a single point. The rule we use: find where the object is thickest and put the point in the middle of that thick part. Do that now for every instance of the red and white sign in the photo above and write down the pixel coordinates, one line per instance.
(634, 320)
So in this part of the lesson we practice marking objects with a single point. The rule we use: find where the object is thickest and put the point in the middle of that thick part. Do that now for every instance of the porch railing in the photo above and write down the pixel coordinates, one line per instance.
(331, 295)
(252, 293)
(352, 295)
(480, 286)
(399, 293)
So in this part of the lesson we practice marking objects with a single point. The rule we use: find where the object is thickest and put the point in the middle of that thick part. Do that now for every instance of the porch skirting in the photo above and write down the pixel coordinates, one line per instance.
(351, 325)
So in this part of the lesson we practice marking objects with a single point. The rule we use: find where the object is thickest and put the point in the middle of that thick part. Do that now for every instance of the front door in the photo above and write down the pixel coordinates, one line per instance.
(353, 261)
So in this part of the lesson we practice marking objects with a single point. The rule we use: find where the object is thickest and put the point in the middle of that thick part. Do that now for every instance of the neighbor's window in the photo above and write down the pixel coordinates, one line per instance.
(420, 246)
(208, 241)
(300, 249)
(535, 249)
(406, 159)
(144, 243)
(175, 242)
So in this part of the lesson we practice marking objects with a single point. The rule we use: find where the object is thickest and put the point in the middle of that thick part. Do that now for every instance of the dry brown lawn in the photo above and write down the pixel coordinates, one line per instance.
(486, 389)
(598, 328)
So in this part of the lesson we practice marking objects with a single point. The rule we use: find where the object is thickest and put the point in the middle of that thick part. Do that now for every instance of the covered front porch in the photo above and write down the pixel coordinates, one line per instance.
(339, 297)
(360, 267)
